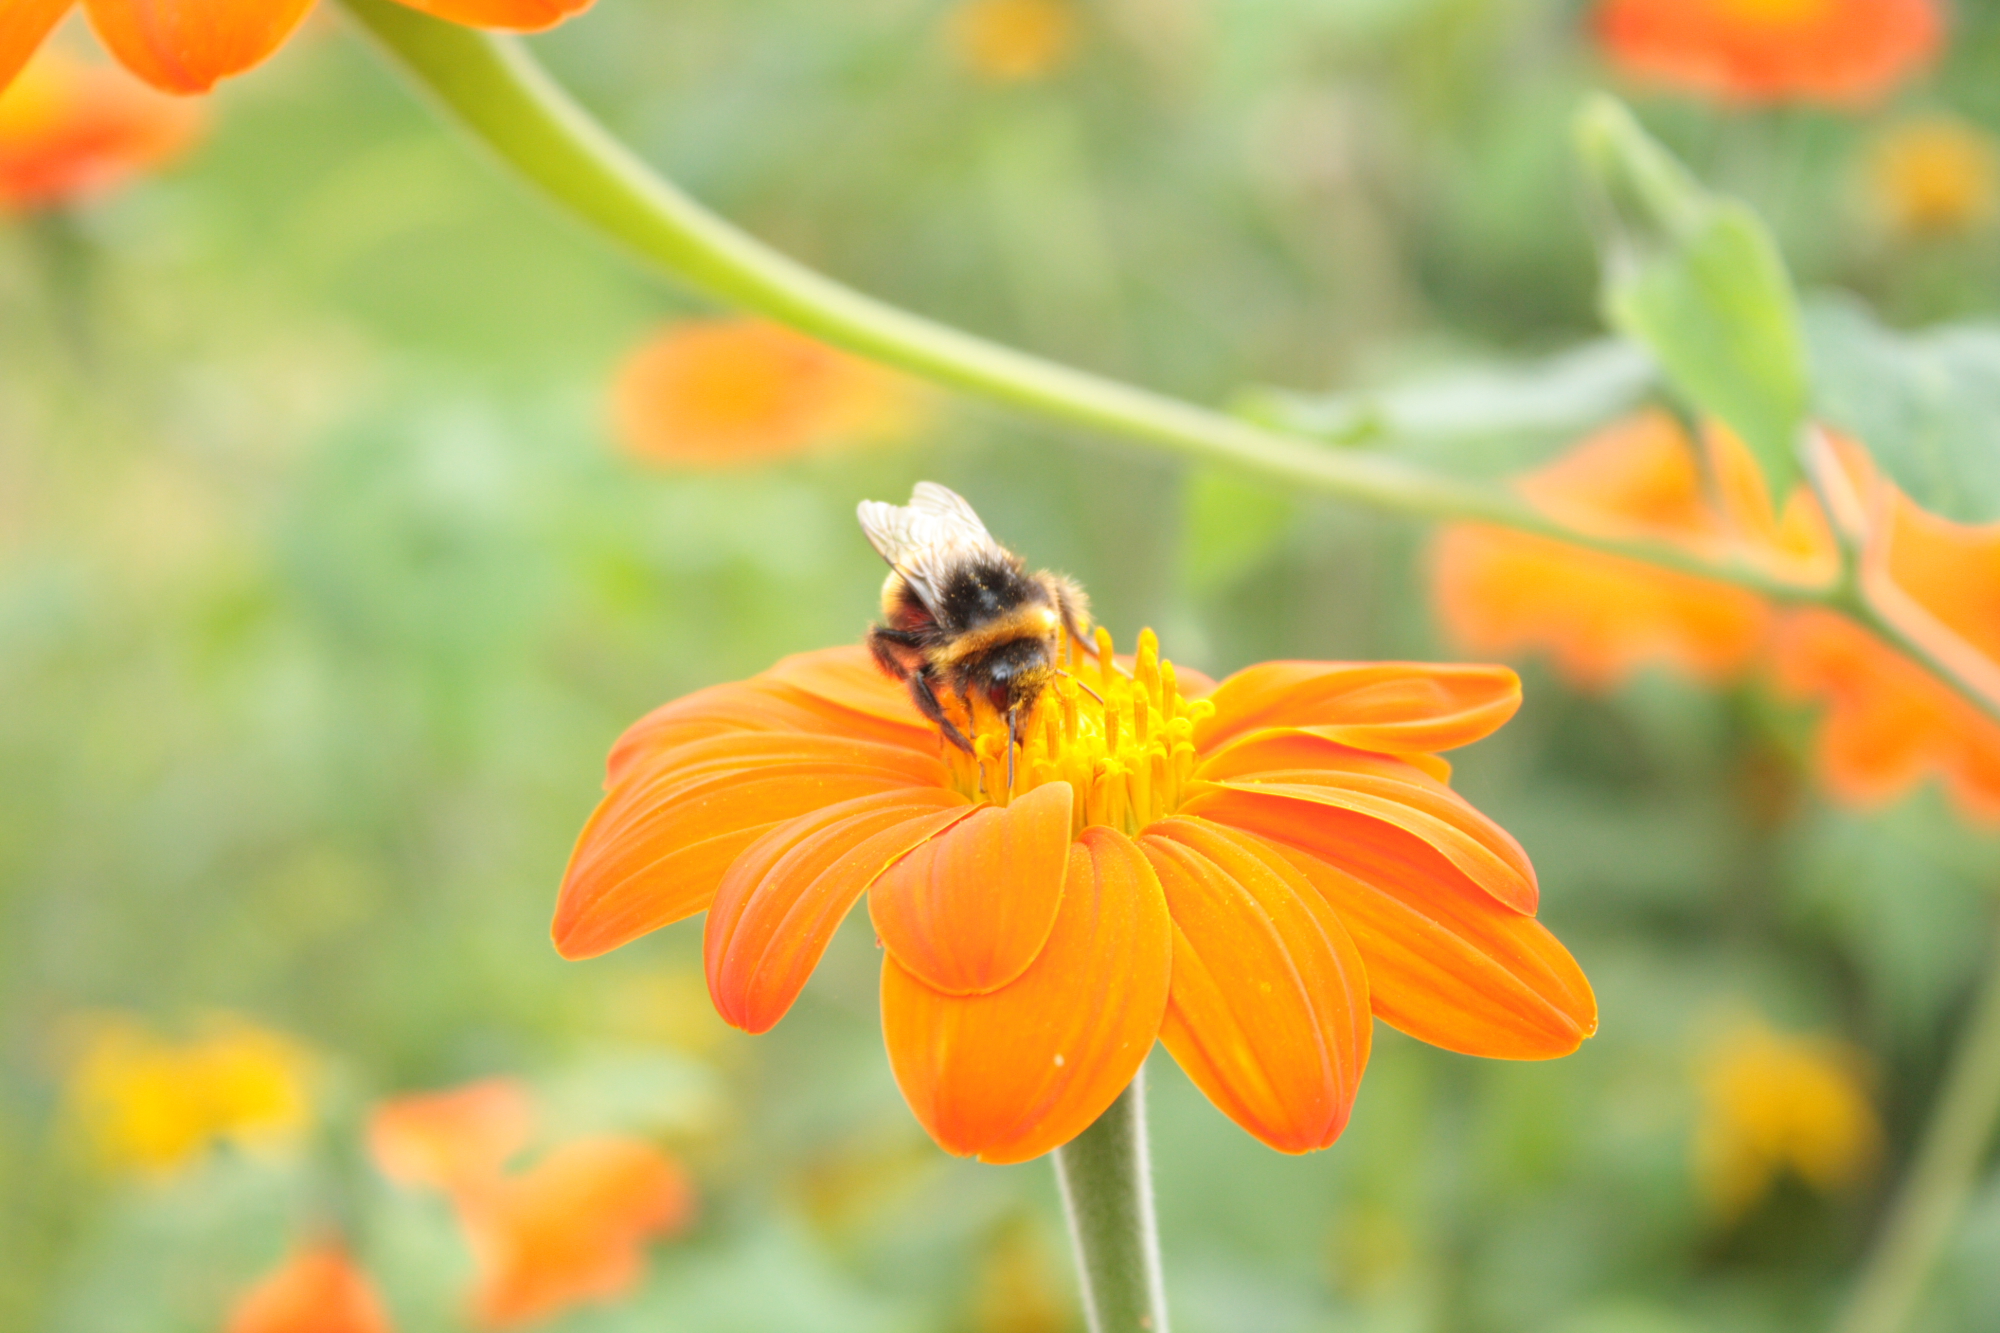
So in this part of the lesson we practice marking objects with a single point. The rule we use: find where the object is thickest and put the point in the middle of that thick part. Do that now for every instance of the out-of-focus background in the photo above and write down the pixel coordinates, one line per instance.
(326, 582)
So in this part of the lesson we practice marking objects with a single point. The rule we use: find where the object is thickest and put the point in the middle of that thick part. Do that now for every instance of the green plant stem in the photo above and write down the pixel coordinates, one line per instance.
(1941, 1177)
(1107, 1187)
(498, 92)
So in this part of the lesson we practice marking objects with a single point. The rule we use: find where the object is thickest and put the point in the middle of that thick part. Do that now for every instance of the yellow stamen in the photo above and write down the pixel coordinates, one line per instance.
(1129, 754)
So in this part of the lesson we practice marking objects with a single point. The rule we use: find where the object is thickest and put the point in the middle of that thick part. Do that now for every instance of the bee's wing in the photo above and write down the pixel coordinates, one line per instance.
(927, 538)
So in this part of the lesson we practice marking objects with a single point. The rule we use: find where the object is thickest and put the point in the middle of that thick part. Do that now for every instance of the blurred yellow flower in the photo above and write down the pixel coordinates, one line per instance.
(720, 392)
(1934, 176)
(1773, 1102)
(1009, 41)
(151, 1105)
(1019, 1285)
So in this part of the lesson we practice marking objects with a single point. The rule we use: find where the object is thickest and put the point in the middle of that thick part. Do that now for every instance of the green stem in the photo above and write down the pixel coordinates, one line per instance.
(497, 91)
(494, 87)
(1107, 1186)
(1941, 1178)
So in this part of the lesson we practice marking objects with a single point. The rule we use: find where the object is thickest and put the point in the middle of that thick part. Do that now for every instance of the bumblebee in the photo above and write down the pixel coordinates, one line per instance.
(962, 614)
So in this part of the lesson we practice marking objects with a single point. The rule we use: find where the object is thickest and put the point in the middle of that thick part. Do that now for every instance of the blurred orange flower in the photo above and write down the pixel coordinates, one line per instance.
(152, 1105)
(1889, 723)
(1934, 176)
(184, 46)
(1839, 51)
(444, 1139)
(1773, 1102)
(1245, 872)
(730, 391)
(70, 131)
(1009, 41)
(1601, 617)
(317, 1290)
(570, 1228)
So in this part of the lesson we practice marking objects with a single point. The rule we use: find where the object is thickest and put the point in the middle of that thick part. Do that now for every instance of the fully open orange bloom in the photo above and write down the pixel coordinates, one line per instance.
(70, 130)
(1841, 51)
(720, 392)
(317, 1290)
(1244, 871)
(184, 46)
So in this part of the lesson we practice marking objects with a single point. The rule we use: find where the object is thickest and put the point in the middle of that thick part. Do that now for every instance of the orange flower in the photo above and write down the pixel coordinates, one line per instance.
(69, 131)
(317, 1290)
(570, 1228)
(1889, 723)
(1009, 41)
(1840, 51)
(722, 391)
(446, 1139)
(1601, 617)
(1244, 871)
(184, 46)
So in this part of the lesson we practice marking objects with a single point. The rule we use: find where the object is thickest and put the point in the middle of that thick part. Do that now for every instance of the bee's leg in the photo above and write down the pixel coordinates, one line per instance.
(893, 649)
(927, 703)
(1013, 739)
(1074, 607)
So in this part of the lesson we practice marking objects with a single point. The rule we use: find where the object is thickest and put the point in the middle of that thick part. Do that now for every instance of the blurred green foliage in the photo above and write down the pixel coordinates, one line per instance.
(323, 593)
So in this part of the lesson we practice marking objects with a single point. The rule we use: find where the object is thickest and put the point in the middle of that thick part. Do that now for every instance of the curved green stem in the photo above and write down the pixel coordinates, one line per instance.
(495, 88)
(1107, 1188)
(1941, 1178)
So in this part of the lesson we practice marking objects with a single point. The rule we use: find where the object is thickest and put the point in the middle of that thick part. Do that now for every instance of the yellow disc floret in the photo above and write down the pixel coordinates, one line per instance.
(1123, 741)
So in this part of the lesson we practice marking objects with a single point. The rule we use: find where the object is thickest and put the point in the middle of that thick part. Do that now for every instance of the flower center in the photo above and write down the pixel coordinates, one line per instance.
(1774, 12)
(1124, 742)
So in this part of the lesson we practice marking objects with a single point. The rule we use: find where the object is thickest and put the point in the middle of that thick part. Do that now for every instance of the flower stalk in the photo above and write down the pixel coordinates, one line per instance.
(496, 90)
(1941, 1177)
(1107, 1188)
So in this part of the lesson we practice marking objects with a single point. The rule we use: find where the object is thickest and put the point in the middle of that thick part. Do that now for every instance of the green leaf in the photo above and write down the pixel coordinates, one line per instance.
(1696, 280)
(1927, 405)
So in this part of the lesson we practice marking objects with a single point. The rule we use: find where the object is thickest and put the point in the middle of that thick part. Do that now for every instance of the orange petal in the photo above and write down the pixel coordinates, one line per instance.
(1448, 965)
(318, 1290)
(1388, 791)
(572, 1229)
(658, 844)
(1845, 52)
(848, 677)
(1388, 707)
(819, 693)
(1371, 850)
(71, 130)
(968, 911)
(507, 15)
(1268, 1010)
(445, 1139)
(1012, 1074)
(185, 47)
(782, 900)
(23, 26)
